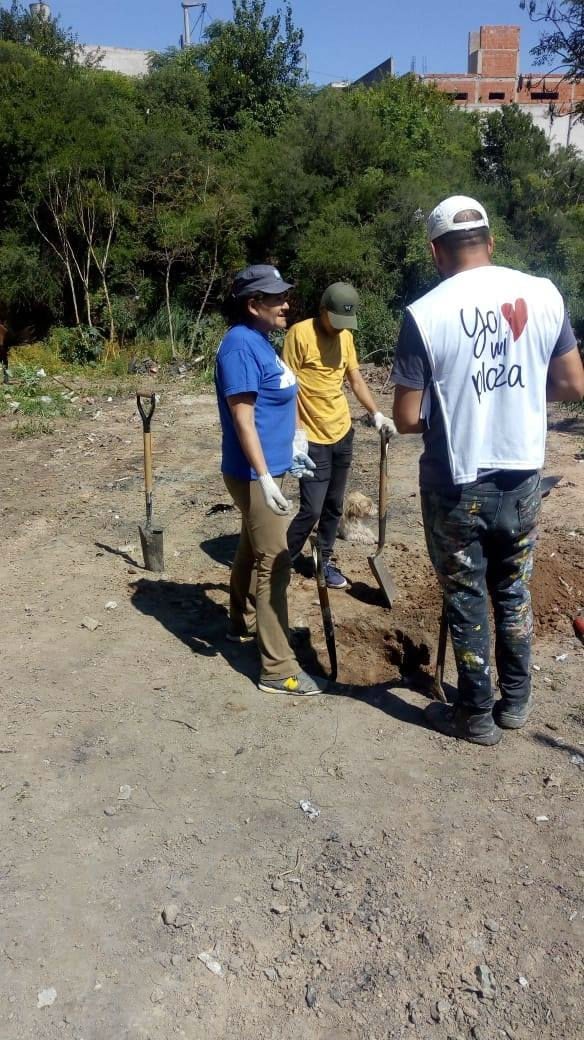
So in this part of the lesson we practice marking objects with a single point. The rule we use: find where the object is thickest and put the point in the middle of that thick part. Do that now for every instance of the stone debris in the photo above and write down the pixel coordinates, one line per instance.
(311, 996)
(210, 963)
(310, 810)
(46, 997)
(486, 982)
(170, 914)
(90, 623)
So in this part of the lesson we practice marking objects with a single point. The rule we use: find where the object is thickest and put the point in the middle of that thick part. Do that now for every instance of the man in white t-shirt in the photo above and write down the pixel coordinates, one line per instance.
(475, 361)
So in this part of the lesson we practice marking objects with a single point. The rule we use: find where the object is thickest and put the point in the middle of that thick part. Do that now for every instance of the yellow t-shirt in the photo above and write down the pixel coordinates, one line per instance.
(320, 363)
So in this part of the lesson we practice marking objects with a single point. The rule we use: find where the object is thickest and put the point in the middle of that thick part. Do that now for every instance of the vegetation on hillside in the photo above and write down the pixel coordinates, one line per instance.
(126, 204)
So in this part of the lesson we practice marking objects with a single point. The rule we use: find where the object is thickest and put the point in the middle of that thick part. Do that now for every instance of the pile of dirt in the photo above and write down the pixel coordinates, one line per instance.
(387, 646)
(557, 588)
(382, 653)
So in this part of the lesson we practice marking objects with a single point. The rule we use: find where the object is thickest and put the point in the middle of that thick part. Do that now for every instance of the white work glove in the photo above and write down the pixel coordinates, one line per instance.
(302, 465)
(274, 498)
(381, 421)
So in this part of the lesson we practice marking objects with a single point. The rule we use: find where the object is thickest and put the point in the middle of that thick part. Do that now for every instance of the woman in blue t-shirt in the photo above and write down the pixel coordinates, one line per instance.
(256, 394)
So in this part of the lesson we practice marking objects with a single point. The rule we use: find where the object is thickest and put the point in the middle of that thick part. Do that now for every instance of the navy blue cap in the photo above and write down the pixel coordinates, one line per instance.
(259, 278)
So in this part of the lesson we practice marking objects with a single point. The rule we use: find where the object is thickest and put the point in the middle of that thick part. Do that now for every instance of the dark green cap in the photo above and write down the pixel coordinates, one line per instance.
(340, 301)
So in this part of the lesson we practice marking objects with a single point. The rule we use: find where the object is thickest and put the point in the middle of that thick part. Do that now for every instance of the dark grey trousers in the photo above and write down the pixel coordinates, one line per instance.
(481, 540)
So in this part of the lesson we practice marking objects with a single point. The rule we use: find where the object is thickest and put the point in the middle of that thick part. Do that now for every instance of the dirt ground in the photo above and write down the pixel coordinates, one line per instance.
(143, 776)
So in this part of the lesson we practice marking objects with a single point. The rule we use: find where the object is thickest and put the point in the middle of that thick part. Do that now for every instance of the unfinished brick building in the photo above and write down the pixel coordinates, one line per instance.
(493, 78)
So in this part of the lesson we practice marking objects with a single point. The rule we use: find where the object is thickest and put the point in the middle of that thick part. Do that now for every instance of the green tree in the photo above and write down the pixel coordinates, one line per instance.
(511, 146)
(254, 66)
(562, 37)
(46, 36)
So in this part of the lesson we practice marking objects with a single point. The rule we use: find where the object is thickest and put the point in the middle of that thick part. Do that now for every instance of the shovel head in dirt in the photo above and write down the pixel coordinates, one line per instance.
(151, 536)
(152, 547)
(378, 565)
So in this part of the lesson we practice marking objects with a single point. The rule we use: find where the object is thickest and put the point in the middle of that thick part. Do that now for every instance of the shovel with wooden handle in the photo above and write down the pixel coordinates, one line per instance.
(325, 609)
(151, 537)
(437, 689)
(376, 562)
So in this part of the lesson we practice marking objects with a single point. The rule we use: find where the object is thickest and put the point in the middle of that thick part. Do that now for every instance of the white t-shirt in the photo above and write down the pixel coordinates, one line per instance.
(489, 334)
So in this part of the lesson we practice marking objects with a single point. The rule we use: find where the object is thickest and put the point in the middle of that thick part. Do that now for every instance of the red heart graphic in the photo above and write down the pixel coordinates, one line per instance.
(516, 316)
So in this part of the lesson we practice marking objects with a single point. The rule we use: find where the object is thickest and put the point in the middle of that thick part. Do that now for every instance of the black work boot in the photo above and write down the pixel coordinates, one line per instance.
(463, 723)
(512, 715)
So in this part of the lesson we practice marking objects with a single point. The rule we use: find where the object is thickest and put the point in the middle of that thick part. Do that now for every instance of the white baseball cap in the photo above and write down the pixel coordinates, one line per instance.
(443, 217)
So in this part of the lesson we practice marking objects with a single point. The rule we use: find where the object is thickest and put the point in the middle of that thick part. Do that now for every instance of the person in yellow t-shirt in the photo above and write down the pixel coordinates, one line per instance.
(321, 353)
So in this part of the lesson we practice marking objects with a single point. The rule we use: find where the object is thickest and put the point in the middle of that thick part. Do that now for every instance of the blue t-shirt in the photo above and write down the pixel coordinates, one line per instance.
(248, 364)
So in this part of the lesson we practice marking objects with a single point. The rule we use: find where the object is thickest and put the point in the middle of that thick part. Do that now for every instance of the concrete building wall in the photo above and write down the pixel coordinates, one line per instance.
(560, 130)
(120, 59)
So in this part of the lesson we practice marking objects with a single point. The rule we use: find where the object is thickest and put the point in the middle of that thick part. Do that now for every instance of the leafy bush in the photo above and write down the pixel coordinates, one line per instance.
(35, 356)
(80, 345)
(206, 339)
(378, 329)
(183, 325)
(33, 396)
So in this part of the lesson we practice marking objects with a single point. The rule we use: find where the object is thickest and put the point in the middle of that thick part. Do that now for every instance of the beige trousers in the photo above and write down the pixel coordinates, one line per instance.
(260, 577)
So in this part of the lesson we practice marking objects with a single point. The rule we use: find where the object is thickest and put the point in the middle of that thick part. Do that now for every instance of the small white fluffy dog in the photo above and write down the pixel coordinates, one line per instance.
(354, 526)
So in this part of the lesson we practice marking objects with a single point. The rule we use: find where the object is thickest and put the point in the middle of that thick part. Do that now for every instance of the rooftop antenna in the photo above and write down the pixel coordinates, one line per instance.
(413, 63)
(191, 29)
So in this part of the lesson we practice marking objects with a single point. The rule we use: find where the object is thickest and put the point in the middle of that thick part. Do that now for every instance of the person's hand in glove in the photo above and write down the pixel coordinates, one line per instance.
(273, 497)
(302, 465)
(380, 421)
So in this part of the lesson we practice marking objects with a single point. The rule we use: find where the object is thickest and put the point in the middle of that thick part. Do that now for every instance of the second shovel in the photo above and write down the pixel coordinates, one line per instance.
(151, 537)
(376, 562)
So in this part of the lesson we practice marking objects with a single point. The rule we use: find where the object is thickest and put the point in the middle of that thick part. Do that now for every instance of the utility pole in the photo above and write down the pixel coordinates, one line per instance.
(190, 30)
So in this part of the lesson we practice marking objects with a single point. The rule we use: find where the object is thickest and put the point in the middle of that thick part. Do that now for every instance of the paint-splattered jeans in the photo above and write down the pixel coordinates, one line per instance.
(481, 539)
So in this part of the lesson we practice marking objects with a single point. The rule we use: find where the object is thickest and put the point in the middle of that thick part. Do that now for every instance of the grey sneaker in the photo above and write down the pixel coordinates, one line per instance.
(300, 685)
(463, 724)
(512, 716)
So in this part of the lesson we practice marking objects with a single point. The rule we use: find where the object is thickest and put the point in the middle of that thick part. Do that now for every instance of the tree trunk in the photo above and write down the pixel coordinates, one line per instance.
(169, 264)
(108, 302)
(206, 296)
(73, 292)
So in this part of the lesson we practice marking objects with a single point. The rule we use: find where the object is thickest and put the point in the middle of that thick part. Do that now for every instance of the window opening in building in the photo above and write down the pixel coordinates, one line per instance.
(496, 95)
(544, 95)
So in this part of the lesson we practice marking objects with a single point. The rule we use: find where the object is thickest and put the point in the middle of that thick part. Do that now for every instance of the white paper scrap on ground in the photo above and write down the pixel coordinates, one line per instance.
(209, 961)
(311, 810)
(47, 997)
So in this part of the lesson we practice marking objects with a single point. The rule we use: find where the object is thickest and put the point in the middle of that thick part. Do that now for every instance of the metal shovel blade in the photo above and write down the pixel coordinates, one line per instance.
(382, 574)
(152, 548)
(548, 484)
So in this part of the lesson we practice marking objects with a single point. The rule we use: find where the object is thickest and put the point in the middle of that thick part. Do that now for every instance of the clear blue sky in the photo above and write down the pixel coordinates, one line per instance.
(343, 39)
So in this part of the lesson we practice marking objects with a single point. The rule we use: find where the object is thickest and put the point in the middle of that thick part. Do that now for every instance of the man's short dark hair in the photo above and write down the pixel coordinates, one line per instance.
(457, 241)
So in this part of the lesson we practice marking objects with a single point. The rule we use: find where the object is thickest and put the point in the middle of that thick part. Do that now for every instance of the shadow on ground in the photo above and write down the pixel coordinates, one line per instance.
(558, 745)
(222, 548)
(191, 614)
(125, 556)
